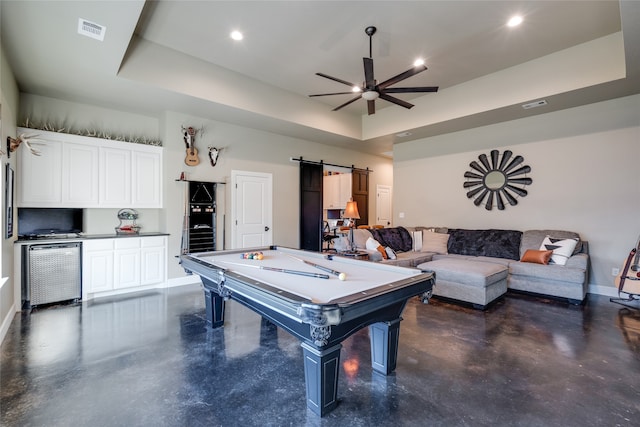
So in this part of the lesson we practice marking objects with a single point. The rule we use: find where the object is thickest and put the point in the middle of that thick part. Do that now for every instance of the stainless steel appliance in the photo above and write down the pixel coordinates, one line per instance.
(53, 272)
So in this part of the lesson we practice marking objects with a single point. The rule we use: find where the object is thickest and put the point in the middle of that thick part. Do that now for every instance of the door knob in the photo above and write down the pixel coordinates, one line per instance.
(266, 228)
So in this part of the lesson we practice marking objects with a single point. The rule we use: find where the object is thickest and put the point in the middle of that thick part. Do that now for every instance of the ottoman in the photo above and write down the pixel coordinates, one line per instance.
(474, 282)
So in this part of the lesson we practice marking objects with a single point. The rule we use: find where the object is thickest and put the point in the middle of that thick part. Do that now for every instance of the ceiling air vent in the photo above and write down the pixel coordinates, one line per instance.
(534, 104)
(91, 29)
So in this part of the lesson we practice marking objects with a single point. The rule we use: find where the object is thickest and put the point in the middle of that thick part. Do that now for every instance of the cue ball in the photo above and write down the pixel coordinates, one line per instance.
(342, 276)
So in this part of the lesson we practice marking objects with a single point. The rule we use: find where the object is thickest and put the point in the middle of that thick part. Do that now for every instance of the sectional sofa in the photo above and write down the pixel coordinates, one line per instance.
(478, 266)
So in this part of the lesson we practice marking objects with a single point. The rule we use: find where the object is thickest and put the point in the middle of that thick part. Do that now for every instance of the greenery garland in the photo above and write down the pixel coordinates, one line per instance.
(93, 133)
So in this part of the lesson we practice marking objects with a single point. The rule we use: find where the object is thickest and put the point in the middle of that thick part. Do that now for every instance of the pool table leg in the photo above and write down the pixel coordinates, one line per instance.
(214, 305)
(321, 377)
(384, 345)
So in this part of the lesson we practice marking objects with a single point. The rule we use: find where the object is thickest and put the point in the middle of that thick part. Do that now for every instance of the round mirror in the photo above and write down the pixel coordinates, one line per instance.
(496, 178)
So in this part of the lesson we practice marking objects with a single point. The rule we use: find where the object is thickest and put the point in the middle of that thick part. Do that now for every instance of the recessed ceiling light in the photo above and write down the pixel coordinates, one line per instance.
(514, 21)
(403, 134)
(236, 35)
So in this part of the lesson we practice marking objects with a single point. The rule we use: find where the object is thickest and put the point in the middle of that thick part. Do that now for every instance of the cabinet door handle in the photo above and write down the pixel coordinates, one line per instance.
(266, 228)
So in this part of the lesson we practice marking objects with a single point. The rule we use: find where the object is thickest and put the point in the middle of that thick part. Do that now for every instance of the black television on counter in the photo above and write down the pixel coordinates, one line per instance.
(34, 221)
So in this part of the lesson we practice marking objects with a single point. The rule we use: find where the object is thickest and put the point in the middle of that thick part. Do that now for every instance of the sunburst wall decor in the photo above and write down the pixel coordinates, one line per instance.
(495, 180)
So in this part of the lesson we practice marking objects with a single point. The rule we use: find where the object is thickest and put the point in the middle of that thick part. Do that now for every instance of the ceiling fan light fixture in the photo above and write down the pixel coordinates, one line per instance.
(418, 62)
(370, 95)
(372, 90)
(514, 21)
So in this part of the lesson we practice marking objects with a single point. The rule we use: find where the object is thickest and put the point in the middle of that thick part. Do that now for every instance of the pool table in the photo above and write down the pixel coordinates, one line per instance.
(302, 293)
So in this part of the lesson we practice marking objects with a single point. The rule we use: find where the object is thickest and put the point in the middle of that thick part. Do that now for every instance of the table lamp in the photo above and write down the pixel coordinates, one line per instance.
(351, 213)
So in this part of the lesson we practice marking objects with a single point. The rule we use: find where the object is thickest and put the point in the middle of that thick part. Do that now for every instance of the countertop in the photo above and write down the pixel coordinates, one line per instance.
(81, 237)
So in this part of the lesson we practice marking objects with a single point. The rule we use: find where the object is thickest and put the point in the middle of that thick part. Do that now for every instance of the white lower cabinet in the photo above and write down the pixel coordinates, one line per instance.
(97, 266)
(125, 264)
(153, 254)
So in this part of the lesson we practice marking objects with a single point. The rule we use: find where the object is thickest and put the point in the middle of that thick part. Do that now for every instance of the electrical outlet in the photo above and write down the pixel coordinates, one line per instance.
(401, 215)
(615, 271)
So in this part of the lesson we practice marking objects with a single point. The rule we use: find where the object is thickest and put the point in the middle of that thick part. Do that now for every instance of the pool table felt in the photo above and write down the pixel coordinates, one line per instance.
(361, 275)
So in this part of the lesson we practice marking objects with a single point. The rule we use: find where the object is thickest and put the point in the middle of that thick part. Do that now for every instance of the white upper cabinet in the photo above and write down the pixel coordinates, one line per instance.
(79, 174)
(77, 171)
(115, 177)
(146, 168)
(336, 191)
(40, 177)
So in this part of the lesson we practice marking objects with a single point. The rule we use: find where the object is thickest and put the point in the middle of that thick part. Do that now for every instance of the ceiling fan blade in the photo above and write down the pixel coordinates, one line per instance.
(335, 79)
(335, 93)
(347, 103)
(395, 100)
(371, 107)
(411, 72)
(411, 89)
(369, 81)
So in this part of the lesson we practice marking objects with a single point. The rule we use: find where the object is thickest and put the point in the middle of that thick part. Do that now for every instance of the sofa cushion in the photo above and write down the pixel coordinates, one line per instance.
(397, 238)
(434, 242)
(443, 230)
(360, 237)
(417, 240)
(551, 273)
(537, 256)
(464, 271)
(532, 239)
(490, 243)
(391, 254)
(561, 249)
(408, 259)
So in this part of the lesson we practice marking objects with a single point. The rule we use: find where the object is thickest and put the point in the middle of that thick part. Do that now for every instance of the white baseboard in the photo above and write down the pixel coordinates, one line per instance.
(6, 322)
(185, 280)
(608, 291)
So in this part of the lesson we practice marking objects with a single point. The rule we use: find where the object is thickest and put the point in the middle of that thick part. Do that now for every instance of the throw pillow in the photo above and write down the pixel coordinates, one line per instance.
(537, 256)
(390, 253)
(434, 242)
(417, 241)
(373, 245)
(562, 249)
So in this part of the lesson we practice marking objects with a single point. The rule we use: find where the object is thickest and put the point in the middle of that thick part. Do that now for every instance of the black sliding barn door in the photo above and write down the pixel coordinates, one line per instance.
(311, 206)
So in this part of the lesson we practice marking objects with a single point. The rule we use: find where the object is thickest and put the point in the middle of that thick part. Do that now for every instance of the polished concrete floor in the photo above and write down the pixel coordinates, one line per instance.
(149, 360)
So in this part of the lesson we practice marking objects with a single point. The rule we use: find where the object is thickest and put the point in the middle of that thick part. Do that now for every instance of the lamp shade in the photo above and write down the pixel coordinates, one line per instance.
(352, 210)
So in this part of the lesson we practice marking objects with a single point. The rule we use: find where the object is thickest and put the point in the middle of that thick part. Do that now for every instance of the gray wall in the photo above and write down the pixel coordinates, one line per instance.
(242, 149)
(584, 170)
(9, 101)
(252, 150)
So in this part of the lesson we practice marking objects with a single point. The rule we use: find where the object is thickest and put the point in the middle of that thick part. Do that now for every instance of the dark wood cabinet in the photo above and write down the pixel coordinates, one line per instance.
(360, 194)
(202, 216)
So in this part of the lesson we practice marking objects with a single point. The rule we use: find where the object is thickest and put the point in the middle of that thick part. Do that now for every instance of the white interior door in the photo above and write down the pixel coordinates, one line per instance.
(384, 213)
(251, 216)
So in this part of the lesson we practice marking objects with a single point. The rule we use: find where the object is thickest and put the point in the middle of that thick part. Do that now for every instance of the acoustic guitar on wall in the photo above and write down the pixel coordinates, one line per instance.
(191, 158)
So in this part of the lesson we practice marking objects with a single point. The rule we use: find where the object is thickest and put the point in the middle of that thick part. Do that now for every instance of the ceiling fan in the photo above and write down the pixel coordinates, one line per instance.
(371, 90)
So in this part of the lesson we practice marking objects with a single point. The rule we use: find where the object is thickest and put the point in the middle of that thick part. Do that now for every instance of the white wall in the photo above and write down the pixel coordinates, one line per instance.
(9, 100)
(584, 171)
